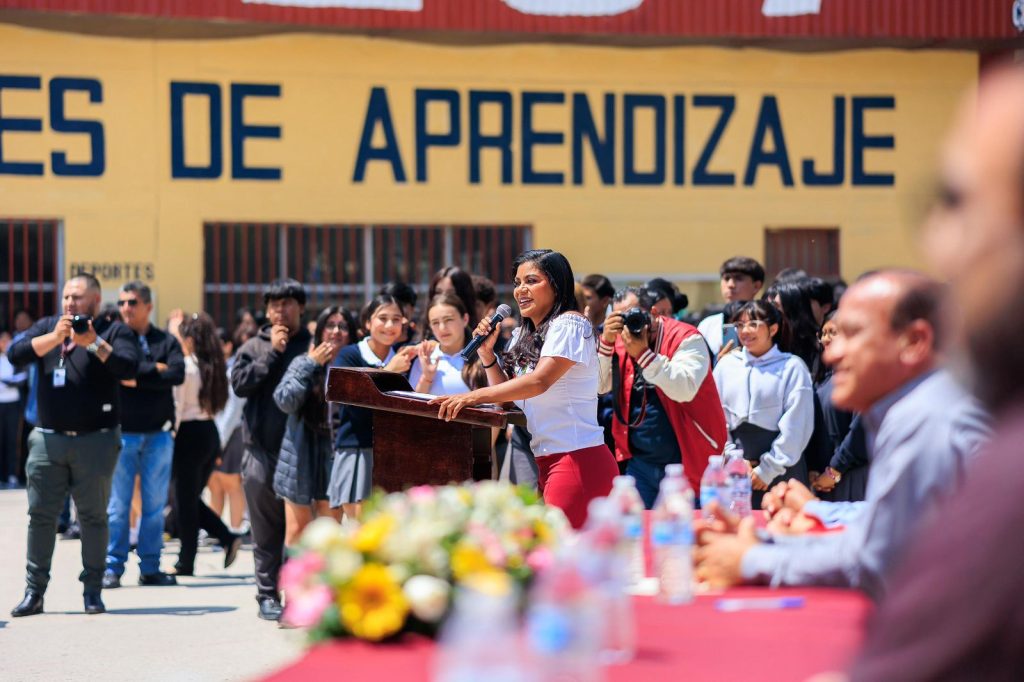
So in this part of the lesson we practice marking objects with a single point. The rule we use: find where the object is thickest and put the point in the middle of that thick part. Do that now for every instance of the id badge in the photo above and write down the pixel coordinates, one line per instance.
(59, 376)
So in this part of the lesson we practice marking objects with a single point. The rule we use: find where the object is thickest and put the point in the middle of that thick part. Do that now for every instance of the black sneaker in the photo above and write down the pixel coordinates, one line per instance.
(158, 579)
(111, 581)
(270, 609)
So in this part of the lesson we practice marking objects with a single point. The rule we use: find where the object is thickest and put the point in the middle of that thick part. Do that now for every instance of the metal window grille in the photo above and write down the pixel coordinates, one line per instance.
(30, 269)
(346, 263)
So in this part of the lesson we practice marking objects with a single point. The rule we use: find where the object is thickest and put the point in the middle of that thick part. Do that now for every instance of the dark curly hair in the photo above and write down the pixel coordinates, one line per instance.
(526, 351)
(201, 329)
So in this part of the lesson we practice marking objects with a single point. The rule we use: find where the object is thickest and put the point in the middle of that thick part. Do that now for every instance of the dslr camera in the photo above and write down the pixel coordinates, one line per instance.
(80, 323)
(636, 320)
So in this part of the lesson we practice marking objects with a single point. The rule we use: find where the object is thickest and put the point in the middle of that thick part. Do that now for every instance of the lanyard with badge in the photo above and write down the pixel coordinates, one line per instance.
(60, 373)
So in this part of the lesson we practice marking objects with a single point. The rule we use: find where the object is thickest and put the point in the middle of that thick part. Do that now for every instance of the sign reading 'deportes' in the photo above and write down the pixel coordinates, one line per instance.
(603, 128)
(114, 270)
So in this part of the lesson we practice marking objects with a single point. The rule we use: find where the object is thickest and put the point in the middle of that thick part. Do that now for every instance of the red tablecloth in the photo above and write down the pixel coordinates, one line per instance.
(691, 643)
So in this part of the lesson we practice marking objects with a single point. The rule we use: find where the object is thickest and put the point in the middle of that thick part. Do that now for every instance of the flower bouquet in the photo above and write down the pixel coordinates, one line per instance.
(394, 571)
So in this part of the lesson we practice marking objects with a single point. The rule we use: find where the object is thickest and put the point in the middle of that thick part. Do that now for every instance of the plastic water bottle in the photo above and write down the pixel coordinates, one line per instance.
(480, 640)
(713, 486)
(672, 538)
(603, 562)
(630, 508)
(738, 476)
(565, 623)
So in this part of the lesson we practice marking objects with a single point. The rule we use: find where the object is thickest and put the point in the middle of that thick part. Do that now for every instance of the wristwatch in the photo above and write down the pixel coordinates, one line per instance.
(834, 474)
(94, 346)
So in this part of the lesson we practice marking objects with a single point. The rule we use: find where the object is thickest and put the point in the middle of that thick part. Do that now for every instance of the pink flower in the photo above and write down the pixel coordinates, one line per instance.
(539, 559)
(421, 493)
(298, 572)
(303, 609)
(306, 597)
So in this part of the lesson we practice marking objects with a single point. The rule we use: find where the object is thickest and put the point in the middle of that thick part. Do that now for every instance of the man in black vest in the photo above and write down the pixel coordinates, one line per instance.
(259, 366)
(80, 363)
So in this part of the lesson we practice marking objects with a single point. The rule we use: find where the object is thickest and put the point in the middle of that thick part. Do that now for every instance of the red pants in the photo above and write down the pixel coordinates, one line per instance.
(571, 480)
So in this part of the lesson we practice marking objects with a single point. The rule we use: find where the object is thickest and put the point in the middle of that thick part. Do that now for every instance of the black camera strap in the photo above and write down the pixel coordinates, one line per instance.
(617, 391)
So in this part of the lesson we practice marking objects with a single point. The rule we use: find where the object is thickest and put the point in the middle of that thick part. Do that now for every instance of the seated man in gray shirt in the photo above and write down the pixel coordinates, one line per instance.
(921, 430)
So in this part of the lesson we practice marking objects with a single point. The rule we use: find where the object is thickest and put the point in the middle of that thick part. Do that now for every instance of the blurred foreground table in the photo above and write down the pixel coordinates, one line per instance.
(692, 642)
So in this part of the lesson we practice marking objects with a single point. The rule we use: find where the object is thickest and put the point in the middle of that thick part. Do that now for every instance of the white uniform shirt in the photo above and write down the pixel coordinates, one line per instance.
(448, 379)
(564, 417)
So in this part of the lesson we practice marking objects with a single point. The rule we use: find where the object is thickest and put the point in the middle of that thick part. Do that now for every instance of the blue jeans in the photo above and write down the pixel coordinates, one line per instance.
(648, 479)
(149, 455)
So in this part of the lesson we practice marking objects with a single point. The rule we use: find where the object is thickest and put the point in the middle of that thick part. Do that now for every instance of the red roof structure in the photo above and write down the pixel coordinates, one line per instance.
(927, 22)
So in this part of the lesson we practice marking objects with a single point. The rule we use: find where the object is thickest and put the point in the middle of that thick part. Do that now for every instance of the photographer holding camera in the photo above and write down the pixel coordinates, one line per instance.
(80, 363)
(667, 408)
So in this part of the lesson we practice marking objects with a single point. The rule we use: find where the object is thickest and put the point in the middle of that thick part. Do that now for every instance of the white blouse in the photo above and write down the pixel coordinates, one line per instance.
(564, 417)
(186, 395)
(448, 379)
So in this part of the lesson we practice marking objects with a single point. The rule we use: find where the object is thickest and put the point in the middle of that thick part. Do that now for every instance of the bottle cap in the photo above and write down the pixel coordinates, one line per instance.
(623, 482)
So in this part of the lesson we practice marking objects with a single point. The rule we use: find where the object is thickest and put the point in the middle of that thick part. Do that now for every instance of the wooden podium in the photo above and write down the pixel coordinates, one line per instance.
(411, 446)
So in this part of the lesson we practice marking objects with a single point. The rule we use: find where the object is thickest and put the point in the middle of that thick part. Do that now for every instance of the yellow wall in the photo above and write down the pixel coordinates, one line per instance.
(137, 212)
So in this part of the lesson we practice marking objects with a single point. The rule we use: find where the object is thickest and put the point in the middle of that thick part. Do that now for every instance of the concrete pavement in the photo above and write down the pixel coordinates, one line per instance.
(204, 629)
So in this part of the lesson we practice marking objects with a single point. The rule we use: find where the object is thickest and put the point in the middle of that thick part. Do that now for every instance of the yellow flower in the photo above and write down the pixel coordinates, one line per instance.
(371, 534)
(468, 560)
(543, 531)
(372, 605)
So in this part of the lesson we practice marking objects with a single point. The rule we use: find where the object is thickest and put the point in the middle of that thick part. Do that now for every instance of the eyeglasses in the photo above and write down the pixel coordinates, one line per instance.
(752, 325)
(827, 333)
(339, 326)
(130, 302)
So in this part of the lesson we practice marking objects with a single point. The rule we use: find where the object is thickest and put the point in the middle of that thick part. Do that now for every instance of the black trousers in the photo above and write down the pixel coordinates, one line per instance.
(195, 453)
(266, 514)
(10, 427)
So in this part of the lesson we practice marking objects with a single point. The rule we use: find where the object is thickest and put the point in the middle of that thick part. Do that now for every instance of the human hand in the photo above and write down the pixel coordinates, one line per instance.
(402, 360)
(636, 344)
(756, 483)
(824, 483)
(279, 337)
(129, 383)
(486, 349)
(729, 346)
(716, 519)
(719, 557)
(161, 367)
(451, 405)
(174, 320)
(613, 326)
(62, 329)
(427, 365)
(322, 354)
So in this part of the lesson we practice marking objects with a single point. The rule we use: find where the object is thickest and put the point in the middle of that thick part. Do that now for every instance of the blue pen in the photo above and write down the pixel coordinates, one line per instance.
(765, 604)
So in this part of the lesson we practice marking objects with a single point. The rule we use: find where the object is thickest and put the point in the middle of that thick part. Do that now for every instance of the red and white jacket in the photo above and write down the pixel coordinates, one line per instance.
(680, 372)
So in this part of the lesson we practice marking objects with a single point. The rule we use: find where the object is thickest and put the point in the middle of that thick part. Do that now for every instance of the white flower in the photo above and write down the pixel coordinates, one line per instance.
(321, 534)
(342, 564)
(428, 597)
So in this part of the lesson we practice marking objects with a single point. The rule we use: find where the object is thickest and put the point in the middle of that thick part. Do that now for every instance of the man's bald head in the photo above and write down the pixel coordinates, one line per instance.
(975, 235)
(888, 326)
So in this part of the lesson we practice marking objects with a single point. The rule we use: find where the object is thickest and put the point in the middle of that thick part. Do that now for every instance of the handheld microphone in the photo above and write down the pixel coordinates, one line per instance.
(471, 348)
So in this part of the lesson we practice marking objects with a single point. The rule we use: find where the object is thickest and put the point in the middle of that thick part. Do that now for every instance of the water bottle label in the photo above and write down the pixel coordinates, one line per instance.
(669, 533)
(550, 630)
(633, 528)
(707, 495)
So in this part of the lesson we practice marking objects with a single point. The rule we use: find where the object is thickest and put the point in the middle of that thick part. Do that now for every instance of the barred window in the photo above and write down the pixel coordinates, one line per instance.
(346, 263)
(30, 269)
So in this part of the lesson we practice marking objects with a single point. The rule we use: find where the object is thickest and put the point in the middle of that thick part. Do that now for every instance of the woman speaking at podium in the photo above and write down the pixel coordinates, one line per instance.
(550, 370)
